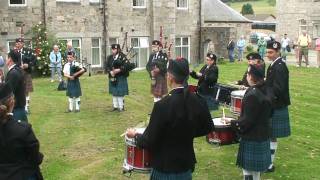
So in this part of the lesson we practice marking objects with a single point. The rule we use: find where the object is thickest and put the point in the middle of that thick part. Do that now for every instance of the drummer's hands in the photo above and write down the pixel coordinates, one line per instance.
(226, 121)
(242, 87)
(199, 74)
(131, 132)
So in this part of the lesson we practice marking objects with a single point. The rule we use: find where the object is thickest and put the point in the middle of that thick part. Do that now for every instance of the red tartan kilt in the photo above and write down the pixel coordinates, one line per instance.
(28, 82)
(160, 88)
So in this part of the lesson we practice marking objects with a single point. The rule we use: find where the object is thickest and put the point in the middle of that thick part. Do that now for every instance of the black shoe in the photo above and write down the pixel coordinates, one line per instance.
(270, 170)
(76, 111)
(121, 110)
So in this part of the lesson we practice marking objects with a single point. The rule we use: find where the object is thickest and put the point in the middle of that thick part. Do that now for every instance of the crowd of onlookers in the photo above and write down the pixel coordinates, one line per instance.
(300, 47)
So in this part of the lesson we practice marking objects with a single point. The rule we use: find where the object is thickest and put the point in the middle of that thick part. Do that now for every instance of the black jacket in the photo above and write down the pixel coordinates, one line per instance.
(244, 81)
(120, 63)
(19, 148)
(175, 121)
(15, 78)
(28, 58)
(278, 81)
(159, 60)
(254, 122)
(208, 79)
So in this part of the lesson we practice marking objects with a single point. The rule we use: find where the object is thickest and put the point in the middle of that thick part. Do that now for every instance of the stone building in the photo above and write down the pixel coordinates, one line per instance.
(294, 16)
(92, 25)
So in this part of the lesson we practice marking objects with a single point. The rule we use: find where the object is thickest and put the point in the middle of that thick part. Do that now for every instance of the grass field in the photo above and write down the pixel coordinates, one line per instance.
(87, 145)
(259, 7)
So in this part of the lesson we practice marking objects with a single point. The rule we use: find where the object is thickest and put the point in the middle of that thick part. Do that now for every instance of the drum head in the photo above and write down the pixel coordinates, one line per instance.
(130, 141)
(239, 93)
(219, 124)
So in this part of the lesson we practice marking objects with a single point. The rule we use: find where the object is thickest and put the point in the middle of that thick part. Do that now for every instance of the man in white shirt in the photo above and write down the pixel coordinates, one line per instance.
(285, 43)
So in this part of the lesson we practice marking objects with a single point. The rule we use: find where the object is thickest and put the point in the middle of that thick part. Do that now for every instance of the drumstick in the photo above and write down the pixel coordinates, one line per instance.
(223, 114)
(123, 134)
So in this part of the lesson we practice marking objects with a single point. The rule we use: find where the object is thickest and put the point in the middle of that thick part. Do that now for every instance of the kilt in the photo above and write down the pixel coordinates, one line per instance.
(28, 82)
(157, 175)
(120, 88)
(280, 123)
(73, 88)
(160, 88)
(211, 102)
(254, 156)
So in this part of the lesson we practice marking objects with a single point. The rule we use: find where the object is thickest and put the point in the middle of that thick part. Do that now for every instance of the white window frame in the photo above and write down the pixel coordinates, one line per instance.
(17, 5)
(68, 1)
(139, 47)
(14, 41)
(140, 7)
(80, 45)
(182, 8)
(94, 1)
(181, 46)
(99, 47)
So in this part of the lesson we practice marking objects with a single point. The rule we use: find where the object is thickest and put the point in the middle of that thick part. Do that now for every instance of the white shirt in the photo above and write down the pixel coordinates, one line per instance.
(285, 42)
(66, 67)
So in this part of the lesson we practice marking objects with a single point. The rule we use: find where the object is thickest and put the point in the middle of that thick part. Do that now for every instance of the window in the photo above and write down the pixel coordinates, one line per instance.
(68, 0)
(182, 4)
(141, 47)
(17, 2)
(11, 44)
(111, 41)
(76, 44)
(138, 3)
(182, 47)
(94, 1)
(316, 32)
(95, 52)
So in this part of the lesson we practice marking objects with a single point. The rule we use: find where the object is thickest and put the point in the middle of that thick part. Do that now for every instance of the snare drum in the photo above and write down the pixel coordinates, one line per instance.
(136, 159)
(222, 93)
(236, 101)
(223, 133)
(192, 88)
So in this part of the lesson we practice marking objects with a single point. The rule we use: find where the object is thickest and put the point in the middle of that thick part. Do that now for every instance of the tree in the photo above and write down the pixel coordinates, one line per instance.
(42, 44)
(247, 9)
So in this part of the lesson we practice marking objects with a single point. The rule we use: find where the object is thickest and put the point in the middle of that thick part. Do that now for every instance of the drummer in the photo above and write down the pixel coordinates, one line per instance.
(253, 126)
(253, 58)
(175, 121)
(208, 77)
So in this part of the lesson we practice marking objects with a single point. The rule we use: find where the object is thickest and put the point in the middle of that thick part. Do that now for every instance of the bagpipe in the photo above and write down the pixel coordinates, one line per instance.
(78, 69)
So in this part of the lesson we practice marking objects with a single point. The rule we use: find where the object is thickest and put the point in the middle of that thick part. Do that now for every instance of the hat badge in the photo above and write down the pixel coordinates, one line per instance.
(275, 45)
(211, 56)
(250, 57)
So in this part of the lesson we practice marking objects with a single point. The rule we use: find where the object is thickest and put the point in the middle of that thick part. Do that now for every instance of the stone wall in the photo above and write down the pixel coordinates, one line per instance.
(290, 12)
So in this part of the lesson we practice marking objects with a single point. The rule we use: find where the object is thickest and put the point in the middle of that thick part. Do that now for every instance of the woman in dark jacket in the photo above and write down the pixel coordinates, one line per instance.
(19, 148)
(254, 154)
(208, 77)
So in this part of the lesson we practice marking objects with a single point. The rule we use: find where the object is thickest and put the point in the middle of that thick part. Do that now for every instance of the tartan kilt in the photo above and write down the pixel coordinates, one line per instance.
(160, 88)
(120, 88)
(211, 102)
(28, 82)
(254, 156)
(280, 123)
(157, 175)
(73, 88)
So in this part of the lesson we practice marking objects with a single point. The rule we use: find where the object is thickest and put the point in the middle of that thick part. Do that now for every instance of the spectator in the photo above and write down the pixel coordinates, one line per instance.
(230, 49)
(318, 51)
(285, 46)
(304, 42)
(241, 44)
(262, 45)
(55, 63)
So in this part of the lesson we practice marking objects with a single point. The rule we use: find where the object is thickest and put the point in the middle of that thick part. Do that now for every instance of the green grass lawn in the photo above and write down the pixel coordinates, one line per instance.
(259, 7)
(87, 145)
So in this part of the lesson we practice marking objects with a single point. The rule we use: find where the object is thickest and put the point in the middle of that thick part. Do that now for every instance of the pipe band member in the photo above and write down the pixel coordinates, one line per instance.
(253, 126)
(208, 77)
(118, 67)
(157, 69)
(278, 82)
(175, 121)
